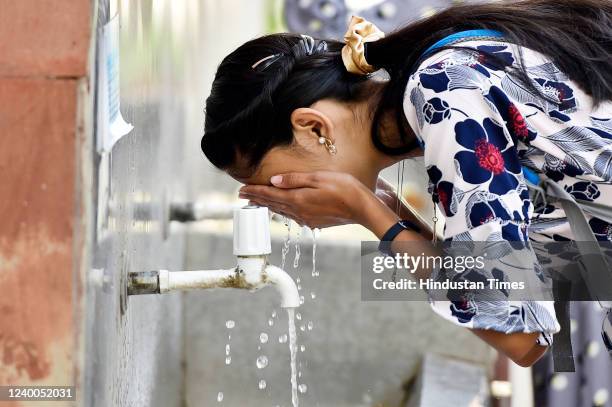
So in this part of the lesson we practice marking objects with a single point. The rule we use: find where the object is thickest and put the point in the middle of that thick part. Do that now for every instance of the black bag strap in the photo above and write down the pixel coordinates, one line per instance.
(563, 356)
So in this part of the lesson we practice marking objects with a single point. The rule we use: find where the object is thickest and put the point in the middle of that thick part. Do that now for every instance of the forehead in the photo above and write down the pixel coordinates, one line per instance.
(279, 160)
(250, 175)
(273, 162)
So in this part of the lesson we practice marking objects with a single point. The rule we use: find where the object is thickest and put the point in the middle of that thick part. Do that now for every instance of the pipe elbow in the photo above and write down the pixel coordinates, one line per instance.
(290, 297)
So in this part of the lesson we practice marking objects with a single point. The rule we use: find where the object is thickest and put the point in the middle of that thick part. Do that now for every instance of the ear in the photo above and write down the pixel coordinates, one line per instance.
(310, 124)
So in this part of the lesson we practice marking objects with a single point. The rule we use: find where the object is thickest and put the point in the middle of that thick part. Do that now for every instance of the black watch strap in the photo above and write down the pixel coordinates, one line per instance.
(396, 229)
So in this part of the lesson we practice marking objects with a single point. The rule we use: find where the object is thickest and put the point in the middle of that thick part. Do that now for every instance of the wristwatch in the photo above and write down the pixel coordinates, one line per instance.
(396, 229)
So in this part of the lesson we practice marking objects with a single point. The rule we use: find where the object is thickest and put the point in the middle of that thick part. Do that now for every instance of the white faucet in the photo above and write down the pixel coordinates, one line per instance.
(252, 272)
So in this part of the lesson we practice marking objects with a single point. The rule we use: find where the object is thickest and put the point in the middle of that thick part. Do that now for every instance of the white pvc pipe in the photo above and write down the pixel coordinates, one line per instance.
(290, 297)
(251, 273)
(196, 279)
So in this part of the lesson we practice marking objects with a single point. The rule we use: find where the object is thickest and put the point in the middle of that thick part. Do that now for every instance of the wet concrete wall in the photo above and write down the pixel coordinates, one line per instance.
(134, 345)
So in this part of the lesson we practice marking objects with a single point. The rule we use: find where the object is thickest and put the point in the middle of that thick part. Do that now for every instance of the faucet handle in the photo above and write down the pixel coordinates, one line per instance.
(252, 231)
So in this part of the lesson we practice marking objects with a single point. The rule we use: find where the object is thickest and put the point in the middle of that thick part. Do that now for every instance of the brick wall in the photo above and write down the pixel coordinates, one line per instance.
(44, 46)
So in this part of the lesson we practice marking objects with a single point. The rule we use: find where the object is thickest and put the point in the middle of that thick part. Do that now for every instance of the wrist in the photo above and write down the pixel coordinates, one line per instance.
(375, 215)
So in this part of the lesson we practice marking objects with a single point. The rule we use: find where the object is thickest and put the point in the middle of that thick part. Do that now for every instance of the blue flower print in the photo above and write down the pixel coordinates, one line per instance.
(495, 57)
(601, 229)
(487, 211)
(601, 133)
(512, 232)
(559, 91)
(489, 156)
(584, 190)
(443, 189)
(464, 309)
(515, 122)
(436, 110)
(544, 209)
(554, 114)
(556, 169)
(435, 78)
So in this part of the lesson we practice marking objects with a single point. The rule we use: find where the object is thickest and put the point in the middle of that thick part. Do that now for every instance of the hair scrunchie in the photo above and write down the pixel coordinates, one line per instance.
(359, 32)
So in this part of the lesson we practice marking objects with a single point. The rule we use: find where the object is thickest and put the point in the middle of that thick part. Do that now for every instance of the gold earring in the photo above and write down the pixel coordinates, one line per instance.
(331, 148)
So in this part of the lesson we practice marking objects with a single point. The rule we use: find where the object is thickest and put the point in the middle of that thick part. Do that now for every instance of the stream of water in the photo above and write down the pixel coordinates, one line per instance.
(262, 360)
(293, 352)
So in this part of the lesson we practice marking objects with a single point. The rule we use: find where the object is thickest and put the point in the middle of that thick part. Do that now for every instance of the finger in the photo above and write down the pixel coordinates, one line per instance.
(273, 206)
(265, 201)
(296, 180)
(288, 215)
(265, 192)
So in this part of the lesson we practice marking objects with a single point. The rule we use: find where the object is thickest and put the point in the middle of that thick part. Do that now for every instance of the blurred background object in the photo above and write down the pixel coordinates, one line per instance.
(328, 18)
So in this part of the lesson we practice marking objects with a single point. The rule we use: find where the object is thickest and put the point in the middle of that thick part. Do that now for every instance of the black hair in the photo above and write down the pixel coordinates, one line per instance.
(248, 111)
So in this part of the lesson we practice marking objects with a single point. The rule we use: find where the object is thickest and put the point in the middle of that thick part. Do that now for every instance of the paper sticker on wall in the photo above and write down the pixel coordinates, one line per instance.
(111, 125)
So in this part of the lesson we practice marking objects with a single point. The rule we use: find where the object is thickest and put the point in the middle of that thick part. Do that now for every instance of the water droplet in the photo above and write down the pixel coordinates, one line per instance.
(273, 313)
(227, 349)
(263, 337)
(300, 373)
(262, 384)
(302, 327)
(229, 324)
(282, 338)
(296, 259)
(302, 348)
(299, 287)
(286, 244)
(262, 361)
(270, 322)
(220, 397)
(298, 316)
(228, 360)
(310, 325)
(303, 388)
(313, 295)
(297, 280)
(315, 234)
(301, 299)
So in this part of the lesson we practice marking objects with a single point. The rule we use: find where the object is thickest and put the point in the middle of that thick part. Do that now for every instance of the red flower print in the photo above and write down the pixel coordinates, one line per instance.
(489, 157)
(487, 219)
(517, 122)
(443, 197)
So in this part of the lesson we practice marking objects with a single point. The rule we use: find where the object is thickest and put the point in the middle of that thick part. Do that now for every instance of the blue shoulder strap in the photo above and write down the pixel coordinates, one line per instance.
(463, 35)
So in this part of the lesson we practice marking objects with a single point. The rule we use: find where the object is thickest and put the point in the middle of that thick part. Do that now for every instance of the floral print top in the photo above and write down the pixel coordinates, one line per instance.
(478, 126)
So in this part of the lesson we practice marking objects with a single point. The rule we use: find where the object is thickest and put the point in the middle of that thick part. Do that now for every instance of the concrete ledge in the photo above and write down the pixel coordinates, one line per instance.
(444, 381)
